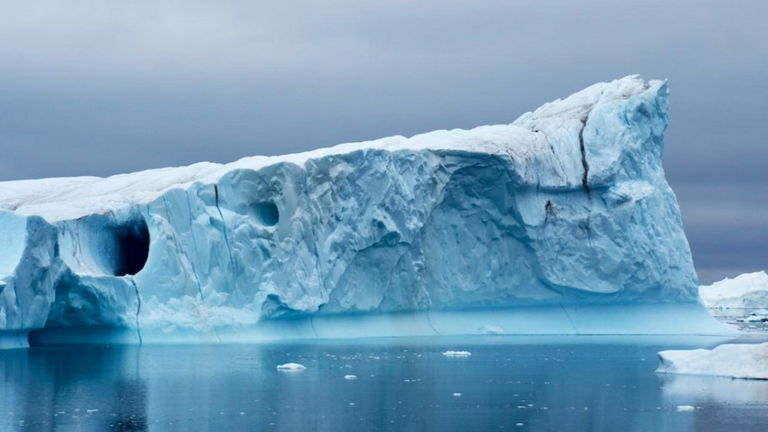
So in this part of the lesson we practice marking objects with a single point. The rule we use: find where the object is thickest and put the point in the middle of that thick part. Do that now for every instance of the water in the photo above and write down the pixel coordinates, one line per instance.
(508, 383)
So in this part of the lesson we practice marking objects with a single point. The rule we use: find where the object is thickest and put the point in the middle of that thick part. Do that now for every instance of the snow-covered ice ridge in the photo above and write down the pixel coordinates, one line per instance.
(567, 205)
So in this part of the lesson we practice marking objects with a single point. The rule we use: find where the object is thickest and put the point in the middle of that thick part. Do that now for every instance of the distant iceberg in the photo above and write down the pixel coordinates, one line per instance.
(560, 222)
(746, 291)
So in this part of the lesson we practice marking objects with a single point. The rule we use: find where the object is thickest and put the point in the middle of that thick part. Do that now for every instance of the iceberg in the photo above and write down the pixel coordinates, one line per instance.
(748, 361)
(745, 291)
(560, 222)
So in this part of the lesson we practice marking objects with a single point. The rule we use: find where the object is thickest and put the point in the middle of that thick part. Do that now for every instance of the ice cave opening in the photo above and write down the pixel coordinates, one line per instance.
(131, 247)
(266, 213)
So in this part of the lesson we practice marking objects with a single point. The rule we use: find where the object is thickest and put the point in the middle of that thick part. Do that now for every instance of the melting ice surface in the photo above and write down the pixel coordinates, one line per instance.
(570, 383)
(560, 222)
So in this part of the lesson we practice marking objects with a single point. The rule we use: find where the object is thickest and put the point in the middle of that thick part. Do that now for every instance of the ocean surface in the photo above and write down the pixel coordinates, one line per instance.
(543, 383)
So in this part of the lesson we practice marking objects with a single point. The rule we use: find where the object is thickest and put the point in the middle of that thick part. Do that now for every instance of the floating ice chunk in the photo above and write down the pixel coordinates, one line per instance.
(350, 377)
(291, 367)
(457, 353)
(749, 361)
(457, 394)
(684, 408)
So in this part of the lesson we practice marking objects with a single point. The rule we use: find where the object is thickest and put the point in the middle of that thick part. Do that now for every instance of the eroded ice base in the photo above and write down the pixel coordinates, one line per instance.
(629, 319)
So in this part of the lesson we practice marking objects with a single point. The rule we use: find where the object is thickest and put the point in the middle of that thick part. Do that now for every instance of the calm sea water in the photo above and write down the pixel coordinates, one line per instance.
(508, 383)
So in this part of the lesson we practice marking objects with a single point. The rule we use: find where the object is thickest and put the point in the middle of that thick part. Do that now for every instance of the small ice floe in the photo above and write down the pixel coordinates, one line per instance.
(291, 367)
(350, 377)
(91, 411)
(491, 330)
(684, 408)
(749, 361)
(457, 353)
(457, 394)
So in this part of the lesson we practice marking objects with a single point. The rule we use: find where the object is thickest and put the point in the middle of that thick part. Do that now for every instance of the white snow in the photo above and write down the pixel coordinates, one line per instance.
(748, 361)
(748, 290)
(291, 367)
(457, 353)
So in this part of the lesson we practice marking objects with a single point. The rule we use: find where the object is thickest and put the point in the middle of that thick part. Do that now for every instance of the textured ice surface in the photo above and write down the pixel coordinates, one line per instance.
(730, 360)
(746, 291)
(566, 206)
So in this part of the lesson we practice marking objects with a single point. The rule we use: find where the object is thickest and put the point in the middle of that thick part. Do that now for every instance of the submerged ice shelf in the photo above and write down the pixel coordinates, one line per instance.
(561, 214)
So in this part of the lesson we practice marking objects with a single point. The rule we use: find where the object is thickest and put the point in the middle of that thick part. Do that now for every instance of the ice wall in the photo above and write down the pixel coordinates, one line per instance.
(568, 205)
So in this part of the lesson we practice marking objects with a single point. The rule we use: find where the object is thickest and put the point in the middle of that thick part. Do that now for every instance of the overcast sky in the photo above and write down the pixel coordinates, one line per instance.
(97, 88)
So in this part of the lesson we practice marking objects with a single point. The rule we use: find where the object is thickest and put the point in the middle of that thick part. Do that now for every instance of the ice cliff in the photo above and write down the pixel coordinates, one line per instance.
(565, 209)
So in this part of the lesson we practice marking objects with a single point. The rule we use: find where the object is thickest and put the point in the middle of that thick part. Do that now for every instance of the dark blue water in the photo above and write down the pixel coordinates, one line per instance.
(509, 383)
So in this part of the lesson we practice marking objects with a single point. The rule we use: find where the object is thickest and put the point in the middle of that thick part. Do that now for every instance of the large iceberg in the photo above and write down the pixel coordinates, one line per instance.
(560, 222)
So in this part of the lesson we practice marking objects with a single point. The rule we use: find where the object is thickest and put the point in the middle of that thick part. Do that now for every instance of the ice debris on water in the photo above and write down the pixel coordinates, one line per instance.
(291, 367)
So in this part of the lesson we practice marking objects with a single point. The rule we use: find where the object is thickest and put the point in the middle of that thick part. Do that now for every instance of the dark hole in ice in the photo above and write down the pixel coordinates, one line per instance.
(132, 247)
(266, 213)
